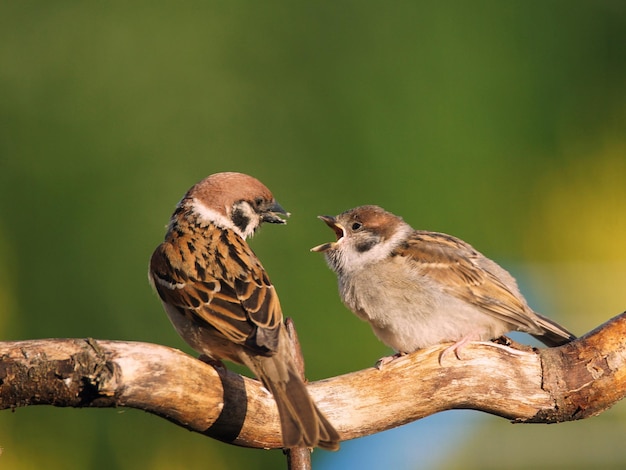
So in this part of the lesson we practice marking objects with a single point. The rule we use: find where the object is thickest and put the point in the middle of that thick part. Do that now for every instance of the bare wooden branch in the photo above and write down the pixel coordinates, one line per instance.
(575, 381)
(298, 458)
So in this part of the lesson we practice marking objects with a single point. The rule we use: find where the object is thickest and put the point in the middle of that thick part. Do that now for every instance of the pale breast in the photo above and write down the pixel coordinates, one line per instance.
(409, 311)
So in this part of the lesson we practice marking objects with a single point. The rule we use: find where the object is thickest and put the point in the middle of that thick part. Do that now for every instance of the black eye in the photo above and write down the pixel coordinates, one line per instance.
(258, 201)
(356, 225)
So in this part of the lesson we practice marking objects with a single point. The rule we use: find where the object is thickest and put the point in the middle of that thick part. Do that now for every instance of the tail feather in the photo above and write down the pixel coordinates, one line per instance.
(329, 438)
(302, 423)
(552, 333)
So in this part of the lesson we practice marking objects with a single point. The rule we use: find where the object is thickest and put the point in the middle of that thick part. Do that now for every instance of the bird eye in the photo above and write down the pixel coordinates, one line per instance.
(258, 201)
(356, 225)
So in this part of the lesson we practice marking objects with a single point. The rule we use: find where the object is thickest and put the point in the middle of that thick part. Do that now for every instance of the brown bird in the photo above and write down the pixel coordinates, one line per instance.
(221, 301)
(419, 288)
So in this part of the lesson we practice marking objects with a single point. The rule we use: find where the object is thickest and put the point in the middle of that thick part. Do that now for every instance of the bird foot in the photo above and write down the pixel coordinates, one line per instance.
(456, 348)
(212, 362)
(383, 361)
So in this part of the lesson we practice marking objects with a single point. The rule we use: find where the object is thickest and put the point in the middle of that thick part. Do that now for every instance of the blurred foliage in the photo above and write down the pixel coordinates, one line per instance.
(577, 232)
(578, 207)
(499, 122)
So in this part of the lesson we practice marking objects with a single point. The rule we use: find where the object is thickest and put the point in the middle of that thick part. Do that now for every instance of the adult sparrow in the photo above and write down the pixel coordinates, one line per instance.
(419, 288)
(221, 301)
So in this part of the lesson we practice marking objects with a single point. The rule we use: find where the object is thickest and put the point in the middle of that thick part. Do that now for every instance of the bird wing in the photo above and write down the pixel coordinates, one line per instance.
(222, 283)
(456, 265)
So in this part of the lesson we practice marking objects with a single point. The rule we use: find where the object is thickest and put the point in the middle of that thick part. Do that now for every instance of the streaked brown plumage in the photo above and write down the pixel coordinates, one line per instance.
(419, 288)
(221, 301)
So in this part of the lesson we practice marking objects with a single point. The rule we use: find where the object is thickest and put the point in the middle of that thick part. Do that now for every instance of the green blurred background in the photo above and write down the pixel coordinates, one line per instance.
(501, 122)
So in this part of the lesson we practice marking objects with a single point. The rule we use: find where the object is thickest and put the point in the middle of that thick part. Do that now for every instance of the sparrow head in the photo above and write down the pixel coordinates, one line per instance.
(364, 234)
(233, 201)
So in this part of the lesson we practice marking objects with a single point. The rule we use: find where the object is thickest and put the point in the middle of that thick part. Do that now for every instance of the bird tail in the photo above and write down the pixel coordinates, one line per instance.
(302, 423)
(552, 333)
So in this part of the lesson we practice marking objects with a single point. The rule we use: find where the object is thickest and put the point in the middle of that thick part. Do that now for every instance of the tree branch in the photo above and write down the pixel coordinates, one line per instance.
(575, 381)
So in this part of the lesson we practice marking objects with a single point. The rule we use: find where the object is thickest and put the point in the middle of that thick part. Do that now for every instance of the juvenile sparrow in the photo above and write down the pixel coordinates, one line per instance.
(221, 301)
(419, 288)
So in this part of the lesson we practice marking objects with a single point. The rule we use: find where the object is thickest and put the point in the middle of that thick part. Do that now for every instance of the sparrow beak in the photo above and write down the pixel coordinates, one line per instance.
(337, 228)
(271, 214)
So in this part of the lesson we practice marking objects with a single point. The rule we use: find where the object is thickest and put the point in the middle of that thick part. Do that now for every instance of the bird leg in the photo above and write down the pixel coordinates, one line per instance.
(458, 347)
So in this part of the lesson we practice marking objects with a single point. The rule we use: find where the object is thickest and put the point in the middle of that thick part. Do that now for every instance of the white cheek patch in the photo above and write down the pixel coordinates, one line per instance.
(245, 219)
(352, 259)
(211, 216)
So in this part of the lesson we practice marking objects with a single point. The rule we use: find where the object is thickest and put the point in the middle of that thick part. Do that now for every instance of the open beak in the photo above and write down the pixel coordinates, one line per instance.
(273, 214)
(337, 228)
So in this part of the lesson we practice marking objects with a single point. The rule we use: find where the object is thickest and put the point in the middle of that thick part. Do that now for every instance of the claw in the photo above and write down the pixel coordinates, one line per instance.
(383, 361)
(216, 363)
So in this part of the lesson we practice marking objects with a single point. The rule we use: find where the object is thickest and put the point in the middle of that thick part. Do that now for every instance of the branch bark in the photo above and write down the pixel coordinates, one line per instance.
(575, 381)
(298, 458)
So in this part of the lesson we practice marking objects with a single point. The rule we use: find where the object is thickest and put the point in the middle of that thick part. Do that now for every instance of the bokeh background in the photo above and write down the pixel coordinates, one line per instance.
(503, 123)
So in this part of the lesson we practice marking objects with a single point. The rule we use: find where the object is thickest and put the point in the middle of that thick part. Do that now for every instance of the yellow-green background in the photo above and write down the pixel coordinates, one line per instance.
(501, 122)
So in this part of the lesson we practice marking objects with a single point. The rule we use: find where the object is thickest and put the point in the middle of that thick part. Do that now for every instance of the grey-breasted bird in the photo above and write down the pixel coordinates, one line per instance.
(418, 288)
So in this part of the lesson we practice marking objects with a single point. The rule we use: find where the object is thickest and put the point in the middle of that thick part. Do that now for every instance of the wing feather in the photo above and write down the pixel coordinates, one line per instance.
(227, 287)
(457, 265)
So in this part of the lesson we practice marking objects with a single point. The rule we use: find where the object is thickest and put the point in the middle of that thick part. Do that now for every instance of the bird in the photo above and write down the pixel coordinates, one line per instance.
(221, 301)
(418, 288)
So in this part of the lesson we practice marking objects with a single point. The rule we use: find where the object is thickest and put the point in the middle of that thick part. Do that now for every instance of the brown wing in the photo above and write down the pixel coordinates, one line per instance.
(222, 282)
(455, 264)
